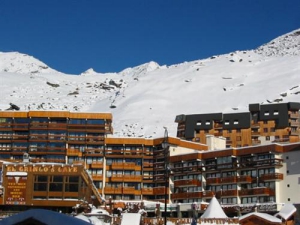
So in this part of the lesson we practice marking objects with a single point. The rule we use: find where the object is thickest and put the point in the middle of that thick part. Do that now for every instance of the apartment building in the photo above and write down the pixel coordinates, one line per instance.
(206, 159)
(263, 124)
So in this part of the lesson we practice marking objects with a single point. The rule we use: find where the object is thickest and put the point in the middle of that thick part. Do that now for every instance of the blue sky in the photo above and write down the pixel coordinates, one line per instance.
(72, 36)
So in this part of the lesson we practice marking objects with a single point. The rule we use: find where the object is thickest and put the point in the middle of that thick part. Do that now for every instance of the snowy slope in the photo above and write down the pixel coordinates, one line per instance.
(146, 98)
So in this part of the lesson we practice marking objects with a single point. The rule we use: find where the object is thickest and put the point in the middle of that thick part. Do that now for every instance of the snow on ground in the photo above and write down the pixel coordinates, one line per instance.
(148, 97)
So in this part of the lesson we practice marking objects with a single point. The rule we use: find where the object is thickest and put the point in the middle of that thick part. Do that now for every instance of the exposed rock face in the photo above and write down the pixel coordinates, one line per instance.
(288, 44)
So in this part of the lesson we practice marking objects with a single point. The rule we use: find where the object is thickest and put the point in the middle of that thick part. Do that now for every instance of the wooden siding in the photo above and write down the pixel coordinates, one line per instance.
(13, 114)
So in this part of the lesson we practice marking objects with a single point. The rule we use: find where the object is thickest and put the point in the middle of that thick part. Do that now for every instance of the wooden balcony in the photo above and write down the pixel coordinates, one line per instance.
(244, 179)
(255, 134)
(57, 137)
(20, 137)
(160, 190)
(176, 196)
(186, 183)
(208, 194)
(294, 115)
(5, 148)
(294, 124)
(117, 178)
(125, 166)
(227, 193)
(18, 149)
(57, 126)
(261, 163)
(228, 180)
(263, 191)
(95, 138)
(113, 190)
(186, 195)
(147, 191)
(213, 180)
(97, 165)
(271, 177)
(37, 160)
(74, 152)
(97, 177)
(134, 178)
(38, 125)
(20, 126)
(6, 136)
(78, 162)
(55, 160)
(129, 190)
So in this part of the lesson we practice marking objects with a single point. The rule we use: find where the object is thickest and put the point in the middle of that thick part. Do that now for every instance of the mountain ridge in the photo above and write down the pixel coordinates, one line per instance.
(145, 98)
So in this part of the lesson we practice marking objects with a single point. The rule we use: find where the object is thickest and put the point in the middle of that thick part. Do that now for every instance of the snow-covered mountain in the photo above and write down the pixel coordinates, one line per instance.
(148, 97)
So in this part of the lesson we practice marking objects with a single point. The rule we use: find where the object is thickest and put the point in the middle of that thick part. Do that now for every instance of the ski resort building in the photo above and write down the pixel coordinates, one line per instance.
(246, 160)
(263, 124)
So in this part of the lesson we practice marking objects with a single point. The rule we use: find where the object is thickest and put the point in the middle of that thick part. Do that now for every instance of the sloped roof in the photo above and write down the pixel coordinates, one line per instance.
(42, 217)
(214, 210)
(287, 211)
(264, 216)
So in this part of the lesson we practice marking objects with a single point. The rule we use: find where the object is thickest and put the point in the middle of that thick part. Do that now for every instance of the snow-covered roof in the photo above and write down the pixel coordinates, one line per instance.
(214, 210)
(286, 211)
(264, 216)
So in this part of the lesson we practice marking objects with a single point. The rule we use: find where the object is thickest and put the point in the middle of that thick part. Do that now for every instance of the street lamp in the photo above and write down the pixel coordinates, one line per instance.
(165, 146)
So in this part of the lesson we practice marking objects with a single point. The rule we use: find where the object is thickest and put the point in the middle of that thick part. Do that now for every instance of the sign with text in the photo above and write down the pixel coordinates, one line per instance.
(16, 190)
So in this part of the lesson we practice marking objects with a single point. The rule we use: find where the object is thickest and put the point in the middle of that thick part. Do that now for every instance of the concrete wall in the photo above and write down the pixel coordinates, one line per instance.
(215, 143)
(289, 188)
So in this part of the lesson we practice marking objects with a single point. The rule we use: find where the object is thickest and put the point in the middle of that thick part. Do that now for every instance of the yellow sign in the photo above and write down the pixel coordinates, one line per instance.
(42, 169)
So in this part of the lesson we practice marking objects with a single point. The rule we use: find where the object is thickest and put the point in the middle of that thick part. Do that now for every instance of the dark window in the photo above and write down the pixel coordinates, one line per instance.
(55, 187)
(56, 183)
(40, 183)
(72, 184)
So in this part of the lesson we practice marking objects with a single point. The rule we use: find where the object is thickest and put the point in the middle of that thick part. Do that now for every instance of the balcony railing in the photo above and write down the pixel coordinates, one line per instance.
(227, 193)
(97, 165)
(265, 191)
(147, 191)
(160, 190)
(185, 183)
(123, 166)
(213, 180)
(272, 176)
(244, 179)
(261, 162)
(97, 177)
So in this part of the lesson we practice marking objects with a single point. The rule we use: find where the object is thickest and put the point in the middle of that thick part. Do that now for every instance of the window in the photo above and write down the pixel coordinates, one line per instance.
(276, 112)
(265, 130)
(226, 122)
(72, 184)
(40, 183)
(267, 138)
(266, 113)
(236, 122)
(96, 122)
(207, 122)
(56, 183)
